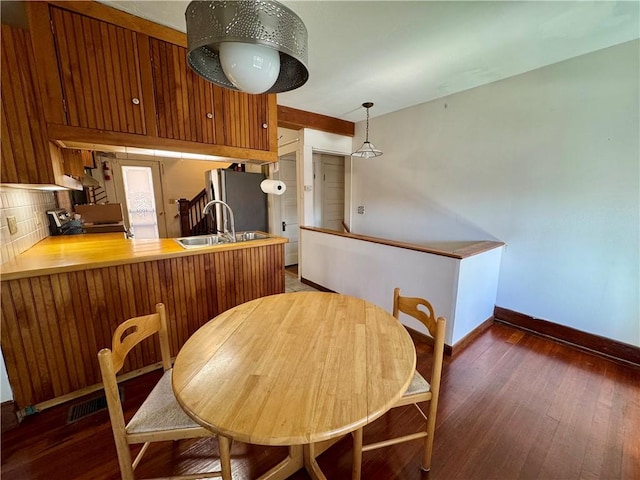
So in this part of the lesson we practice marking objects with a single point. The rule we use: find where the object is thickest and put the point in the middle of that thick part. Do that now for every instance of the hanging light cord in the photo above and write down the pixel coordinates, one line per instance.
(367, 131)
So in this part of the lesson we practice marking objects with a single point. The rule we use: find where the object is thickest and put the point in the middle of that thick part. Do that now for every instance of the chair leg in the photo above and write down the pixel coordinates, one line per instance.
(225, 457)
(357, 454)
(428, 441)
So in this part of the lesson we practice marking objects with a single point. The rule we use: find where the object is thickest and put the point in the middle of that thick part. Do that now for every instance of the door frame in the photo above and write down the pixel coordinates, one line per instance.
(319, 185)
(274, 203)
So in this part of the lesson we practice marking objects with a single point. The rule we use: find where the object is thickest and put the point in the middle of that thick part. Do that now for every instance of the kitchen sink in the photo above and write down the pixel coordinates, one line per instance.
(246, 236)
(198, 241)
(201, 241)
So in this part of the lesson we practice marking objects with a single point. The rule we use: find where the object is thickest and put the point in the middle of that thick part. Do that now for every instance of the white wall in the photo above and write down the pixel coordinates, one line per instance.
(547, 162)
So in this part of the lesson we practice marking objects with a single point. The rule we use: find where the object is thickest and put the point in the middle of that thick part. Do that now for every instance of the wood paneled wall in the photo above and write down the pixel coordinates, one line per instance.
(25, 147)
(54, 325)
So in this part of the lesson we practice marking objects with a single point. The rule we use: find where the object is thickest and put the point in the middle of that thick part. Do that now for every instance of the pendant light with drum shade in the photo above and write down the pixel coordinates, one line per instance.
(254, 46)
(367, 150)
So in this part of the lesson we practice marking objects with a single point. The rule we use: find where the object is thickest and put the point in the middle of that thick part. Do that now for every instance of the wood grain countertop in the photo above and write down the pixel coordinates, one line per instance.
(83, 252)
(457, 250)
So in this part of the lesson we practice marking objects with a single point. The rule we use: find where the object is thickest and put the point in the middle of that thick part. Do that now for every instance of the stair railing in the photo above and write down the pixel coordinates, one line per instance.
(192, 222)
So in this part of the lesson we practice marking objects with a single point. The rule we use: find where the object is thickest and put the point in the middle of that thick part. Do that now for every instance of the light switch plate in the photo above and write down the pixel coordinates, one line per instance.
(13, 225)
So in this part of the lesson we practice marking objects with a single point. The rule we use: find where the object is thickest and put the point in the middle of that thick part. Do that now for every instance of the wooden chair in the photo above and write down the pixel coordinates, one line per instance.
(419, 390)
(160, 418)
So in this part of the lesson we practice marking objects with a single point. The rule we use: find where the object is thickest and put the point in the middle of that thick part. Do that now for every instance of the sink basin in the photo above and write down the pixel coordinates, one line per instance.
(246, 236)
(201, 241)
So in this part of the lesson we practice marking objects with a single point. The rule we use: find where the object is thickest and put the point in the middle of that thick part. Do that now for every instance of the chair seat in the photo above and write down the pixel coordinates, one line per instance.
(418, 385)
(160, 411)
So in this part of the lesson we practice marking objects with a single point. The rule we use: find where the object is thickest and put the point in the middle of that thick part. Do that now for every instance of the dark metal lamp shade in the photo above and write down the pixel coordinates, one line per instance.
(264, 22)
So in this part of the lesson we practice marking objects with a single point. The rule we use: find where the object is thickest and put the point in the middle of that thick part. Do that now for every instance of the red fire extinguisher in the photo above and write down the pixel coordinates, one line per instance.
(106, 171)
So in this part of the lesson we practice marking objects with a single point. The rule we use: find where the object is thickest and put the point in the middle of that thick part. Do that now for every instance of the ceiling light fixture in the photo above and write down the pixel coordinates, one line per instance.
(367, 150)
(248, 45)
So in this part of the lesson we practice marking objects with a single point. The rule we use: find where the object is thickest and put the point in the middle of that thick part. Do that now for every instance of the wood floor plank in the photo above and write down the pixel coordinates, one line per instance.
(512, 406)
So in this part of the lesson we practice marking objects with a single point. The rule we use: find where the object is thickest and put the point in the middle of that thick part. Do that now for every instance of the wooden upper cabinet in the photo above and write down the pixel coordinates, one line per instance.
(188, 107)
(25, 147)
(75, 160)
(99, 65)
(193, 109)
(109, 78)
(246, 120)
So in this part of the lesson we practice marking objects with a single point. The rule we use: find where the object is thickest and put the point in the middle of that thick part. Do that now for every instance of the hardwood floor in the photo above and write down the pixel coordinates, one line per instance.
(513, 406)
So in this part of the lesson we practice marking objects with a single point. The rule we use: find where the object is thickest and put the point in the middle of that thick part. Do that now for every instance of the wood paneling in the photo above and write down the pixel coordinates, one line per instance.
(246, 120)
(189, 108)
(124, 19)
(99, 66)
(25, 149)
(54, 325)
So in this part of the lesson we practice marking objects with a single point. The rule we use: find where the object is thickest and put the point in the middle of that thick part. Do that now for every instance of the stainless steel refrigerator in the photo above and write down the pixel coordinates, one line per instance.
(242, 192)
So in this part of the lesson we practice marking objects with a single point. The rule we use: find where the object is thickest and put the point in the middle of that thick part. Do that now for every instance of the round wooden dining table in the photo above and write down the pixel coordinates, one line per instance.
(294, 369)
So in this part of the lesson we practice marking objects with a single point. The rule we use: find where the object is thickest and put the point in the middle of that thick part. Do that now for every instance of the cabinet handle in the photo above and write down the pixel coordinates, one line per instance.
(209, 115)
(135, 101)
(264, 125)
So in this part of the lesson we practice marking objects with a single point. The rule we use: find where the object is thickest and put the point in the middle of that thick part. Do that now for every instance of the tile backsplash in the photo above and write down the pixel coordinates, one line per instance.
(30, 209)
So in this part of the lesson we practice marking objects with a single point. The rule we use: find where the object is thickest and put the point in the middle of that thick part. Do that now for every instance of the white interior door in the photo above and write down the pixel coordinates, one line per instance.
(139, 188)
(289, 227)
(332, 192)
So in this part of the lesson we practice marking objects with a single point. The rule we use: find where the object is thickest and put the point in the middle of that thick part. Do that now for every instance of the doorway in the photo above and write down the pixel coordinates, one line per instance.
(138, 186)
(329, 174)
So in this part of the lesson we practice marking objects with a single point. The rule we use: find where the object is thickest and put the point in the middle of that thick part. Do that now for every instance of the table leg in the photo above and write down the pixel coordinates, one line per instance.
(225, 457)
(357, 454)
(288, 466)
(310, 464)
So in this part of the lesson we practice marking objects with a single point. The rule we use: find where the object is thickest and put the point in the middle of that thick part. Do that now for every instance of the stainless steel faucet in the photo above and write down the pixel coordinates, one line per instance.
(231, 236)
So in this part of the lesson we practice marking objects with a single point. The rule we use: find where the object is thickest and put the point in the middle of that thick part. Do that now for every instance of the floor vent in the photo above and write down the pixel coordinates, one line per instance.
(89, 407)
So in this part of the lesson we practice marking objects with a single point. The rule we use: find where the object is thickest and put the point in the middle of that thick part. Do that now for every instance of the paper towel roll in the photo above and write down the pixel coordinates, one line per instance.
(273, 186)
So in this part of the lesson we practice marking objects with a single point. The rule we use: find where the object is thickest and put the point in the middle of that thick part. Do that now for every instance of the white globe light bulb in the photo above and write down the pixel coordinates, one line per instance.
(251, 68)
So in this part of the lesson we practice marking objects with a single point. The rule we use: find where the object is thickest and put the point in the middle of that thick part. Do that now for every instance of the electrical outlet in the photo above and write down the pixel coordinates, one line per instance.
(13, 225)
(361, 209)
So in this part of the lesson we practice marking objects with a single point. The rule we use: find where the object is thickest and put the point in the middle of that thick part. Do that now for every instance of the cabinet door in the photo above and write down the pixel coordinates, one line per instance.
(25, 148)
(246, 120)
(100, 74)
(188, 107)
(73, 161)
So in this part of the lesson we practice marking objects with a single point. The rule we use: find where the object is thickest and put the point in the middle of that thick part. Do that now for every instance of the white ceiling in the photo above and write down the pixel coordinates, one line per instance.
(398, 54)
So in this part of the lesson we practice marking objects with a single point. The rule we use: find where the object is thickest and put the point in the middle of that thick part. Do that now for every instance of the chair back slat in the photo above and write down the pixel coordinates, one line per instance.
(131, 332)
(411, 306)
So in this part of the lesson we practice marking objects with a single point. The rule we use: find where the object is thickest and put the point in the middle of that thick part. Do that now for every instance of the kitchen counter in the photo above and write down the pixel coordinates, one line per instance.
(63, 299)
(81, 252)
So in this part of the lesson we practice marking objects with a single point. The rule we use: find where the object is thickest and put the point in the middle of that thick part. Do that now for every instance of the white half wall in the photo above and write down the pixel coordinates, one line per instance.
(548, 162)
(462, 291)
